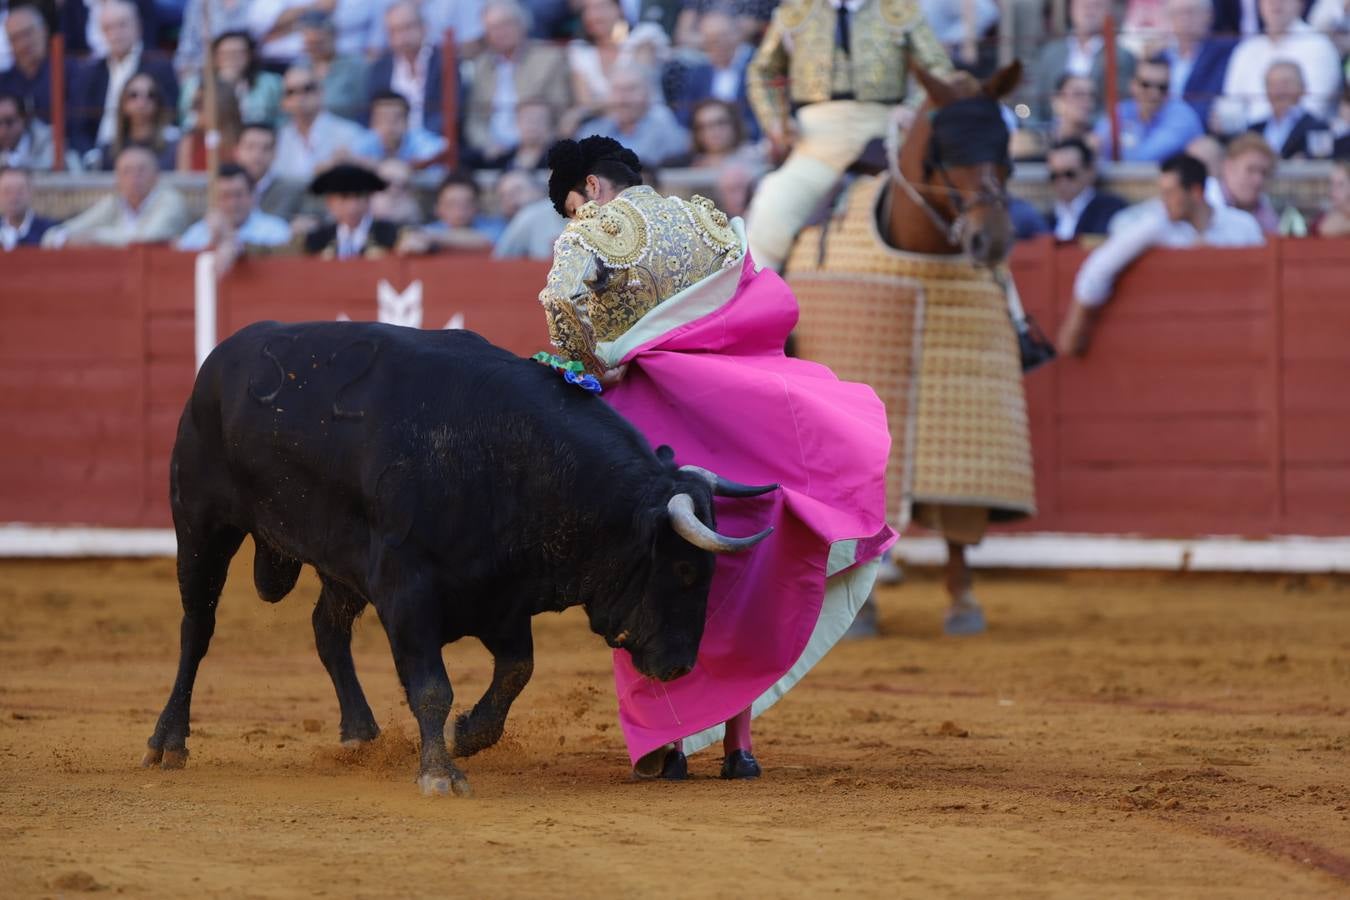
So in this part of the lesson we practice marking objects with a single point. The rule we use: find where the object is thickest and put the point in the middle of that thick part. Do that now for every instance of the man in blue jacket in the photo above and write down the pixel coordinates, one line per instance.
(1198, 58)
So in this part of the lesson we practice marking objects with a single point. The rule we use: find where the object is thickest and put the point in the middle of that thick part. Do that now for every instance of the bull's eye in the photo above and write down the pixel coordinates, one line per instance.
(686, 572)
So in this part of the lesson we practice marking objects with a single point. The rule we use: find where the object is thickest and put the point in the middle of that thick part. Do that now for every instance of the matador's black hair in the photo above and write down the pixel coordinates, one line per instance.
(570, 162)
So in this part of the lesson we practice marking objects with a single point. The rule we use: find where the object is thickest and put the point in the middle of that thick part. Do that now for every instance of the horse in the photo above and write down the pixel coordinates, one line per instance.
(937, 227)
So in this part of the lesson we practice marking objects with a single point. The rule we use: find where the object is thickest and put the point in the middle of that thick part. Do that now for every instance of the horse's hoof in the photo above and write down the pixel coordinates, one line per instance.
(964, 619)
(740, 764)
(151, 758)
(174, 759)
(443, 785)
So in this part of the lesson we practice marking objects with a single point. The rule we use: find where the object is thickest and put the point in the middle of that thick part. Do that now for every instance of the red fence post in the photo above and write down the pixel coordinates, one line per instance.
(1112, 94)
(57, 59)
(450, 98)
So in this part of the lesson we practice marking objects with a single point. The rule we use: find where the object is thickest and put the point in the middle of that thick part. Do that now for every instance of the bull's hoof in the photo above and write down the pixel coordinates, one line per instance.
(355, 743)
(470, 739)
(152, 757)
(441, 785)
(174, 759)
(740, 764)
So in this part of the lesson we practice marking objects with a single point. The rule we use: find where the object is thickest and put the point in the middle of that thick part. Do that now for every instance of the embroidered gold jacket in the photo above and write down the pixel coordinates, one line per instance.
(614, 263)
(800, 44)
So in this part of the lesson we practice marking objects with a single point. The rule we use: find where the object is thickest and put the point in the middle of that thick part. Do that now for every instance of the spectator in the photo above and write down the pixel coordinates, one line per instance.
(19, 225)
(1027, 221)
(84, 35)
(592, 60)
(1080, 53)
(534, 125)
(1079, 208)
(391, 135)
(1153, 126)
(1142, 27)
(99, 83)
(26, 142)
(139, 211)
(1335, 222)
(411, 66)
(1198, 60)
(465, 16)
(234, 221)
(510, 72)
(343, 77)
(1247, 167)
(1182, 218)
(1074, 108)
(144, 118)
(256, 92)
(30, 77)
(719, 139)
(459, 223)
(734, 187)
(971, 45)
(396, 202)
(353, 232)
(276, 25)
(720, 75)
(633, 120)
(1291, 131)
(225, 15)
(255, 153)
(192, 155)
(533, 226)
(314, 138)
(1340, 126)
(1286, 37)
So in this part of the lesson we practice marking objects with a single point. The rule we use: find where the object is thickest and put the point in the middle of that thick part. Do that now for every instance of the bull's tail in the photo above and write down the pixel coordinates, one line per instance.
(274, 573)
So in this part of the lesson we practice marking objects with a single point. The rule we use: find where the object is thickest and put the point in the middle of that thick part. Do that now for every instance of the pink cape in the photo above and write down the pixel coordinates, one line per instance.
(721, 392)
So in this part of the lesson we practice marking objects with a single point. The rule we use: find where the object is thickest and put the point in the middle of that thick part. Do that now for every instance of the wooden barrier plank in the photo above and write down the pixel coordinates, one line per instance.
(1180, 284)
(169, 337)
(1198, 439)
(1121, 387)
(1205, 492)
(301, 290)
(169, 286)
(1317, 438)
(1317, 498)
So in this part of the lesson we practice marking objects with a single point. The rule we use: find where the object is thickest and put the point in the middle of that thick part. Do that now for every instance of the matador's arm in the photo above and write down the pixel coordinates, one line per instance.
(566, 298)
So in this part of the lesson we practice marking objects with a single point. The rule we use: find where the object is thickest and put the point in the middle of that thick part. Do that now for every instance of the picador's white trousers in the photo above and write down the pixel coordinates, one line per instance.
(832, 135)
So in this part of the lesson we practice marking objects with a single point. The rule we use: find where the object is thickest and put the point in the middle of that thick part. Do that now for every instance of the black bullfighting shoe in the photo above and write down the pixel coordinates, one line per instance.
(674, 766)
(740, 764)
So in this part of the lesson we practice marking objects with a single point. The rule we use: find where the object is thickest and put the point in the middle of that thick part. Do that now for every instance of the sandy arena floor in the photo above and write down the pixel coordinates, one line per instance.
(1128, 735)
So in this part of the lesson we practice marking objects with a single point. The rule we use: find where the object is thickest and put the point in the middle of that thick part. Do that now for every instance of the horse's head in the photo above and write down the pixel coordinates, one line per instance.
(955, 158)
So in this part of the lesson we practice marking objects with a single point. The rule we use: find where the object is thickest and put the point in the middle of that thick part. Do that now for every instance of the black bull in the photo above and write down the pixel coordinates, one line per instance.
(456, 487)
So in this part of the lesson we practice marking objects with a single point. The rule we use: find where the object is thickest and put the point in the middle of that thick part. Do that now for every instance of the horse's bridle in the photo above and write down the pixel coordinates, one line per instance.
(991, 192)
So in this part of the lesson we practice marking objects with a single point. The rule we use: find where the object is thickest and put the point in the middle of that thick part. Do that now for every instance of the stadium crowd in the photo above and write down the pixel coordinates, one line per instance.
(351, 90)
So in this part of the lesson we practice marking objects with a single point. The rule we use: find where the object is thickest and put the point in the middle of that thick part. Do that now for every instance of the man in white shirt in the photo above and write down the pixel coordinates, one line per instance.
(139, 211)
(1287, 37)
(20, 226)
(313, 139)
(234, 222)
(1181, 218)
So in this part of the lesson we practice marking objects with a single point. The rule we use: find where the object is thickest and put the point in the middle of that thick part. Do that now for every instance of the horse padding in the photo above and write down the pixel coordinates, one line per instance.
(932, 336)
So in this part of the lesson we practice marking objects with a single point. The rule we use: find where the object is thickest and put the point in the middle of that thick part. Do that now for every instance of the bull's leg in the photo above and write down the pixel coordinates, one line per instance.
(203, 562)
(512, 666)
(417, 657)
(337, 608)
(964, 616)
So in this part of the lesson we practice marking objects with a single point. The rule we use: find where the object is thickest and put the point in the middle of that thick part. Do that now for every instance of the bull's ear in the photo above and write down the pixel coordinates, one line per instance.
(665, 454)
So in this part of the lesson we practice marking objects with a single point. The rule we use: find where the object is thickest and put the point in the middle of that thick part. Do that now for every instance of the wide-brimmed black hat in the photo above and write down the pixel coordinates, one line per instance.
(570, 162)
(348, 179)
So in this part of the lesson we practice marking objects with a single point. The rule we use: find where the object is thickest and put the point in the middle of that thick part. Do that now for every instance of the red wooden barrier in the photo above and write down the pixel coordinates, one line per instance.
(1214, 399)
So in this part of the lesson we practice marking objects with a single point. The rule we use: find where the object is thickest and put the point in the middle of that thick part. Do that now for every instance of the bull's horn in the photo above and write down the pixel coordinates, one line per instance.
(723, 487)
(688, 526)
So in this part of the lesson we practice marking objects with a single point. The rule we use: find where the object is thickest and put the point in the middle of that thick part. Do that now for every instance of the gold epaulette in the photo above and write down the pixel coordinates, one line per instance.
(901, 15)
(792, 14)
(712, 224)
(616, 232)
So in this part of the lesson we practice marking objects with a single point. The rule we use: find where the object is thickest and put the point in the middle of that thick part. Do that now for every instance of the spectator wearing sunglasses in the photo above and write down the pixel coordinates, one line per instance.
(314, 138)
(1153, 126)
(1080, 208)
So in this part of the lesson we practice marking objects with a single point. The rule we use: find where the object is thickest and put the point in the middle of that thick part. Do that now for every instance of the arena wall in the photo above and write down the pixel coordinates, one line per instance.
(1215, 398)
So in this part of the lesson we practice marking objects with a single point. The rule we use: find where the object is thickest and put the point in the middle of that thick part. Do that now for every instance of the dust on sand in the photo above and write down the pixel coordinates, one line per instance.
(1111, 736)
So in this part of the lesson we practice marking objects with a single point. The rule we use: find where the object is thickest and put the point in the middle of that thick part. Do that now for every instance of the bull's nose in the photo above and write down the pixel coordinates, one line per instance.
(676, 672)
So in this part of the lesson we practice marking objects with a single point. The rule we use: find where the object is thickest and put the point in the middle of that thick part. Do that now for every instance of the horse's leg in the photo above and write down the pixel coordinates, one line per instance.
(964, 615)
